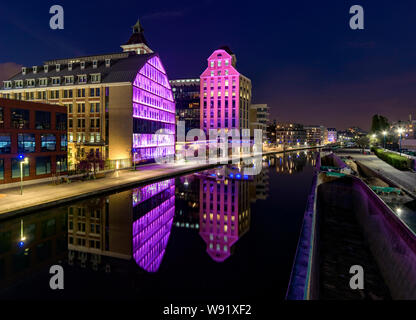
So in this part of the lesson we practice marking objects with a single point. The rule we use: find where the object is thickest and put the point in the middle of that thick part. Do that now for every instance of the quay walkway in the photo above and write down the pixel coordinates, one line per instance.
(40, 196)
(404, 179)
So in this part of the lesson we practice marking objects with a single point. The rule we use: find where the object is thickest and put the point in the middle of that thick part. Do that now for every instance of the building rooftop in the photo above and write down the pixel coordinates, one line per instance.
(226, 49)
(120, 67)
(138, 35)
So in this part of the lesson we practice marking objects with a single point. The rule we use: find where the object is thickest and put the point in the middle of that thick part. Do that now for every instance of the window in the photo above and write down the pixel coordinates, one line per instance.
(82, 64)
(1, 117)
(97, 123)
(43, 82)
(82, 79)
(95, 64)
(43, 165)
(55, 94)
(64, 142)
(70, 110)
(94, 92)
(70, 66)
(56, 81)
(16, 168)
(5, 143)
(20, 119)
(81, 107)
(69, 80)
(1, 169)
(30, 82)
(81, 93)
(95, 78)
(61, 163)
(70, 123)
(212, 64)
(92, 123)
(61, 120)
(26, 143)
(42, 120)
(48, 142)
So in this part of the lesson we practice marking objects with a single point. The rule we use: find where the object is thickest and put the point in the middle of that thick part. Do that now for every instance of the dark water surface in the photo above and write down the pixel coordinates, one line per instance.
(215, 234)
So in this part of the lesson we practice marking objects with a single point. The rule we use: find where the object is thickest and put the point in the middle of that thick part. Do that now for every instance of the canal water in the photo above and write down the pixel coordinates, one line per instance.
(215, 234)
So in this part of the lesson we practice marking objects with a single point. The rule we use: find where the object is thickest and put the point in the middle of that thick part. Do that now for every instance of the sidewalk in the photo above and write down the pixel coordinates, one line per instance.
(46, 195)
(404, 179)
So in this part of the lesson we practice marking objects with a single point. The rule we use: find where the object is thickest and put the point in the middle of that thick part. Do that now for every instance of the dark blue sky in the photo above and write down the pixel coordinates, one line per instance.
(302, 57)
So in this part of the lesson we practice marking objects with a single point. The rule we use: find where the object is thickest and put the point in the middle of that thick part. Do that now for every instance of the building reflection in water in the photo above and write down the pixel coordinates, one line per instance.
(134, 223)
(30, 244)
(154, 205)
(290, 163)
(224, 212)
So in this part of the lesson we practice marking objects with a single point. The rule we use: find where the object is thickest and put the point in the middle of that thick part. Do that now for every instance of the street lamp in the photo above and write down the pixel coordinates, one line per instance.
(400, 131)
(59, 168)
(22, 162)
(384, 135)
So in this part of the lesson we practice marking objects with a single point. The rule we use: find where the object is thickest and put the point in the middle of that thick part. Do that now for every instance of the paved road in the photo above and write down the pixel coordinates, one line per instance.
(405, 179)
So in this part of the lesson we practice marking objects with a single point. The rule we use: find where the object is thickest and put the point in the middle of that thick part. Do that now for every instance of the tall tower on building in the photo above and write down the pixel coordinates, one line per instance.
(137, 42)
(225, 94)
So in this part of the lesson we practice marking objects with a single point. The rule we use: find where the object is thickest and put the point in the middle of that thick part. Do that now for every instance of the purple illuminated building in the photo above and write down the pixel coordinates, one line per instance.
(153, 111)
(153, 212)
(115, 102)
(225, 94)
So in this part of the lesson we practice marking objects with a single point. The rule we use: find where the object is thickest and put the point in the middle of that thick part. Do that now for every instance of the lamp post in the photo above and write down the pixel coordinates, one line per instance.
(24, 161)
(59, 168)
(374, 136)
(384, 135)
(400, 131)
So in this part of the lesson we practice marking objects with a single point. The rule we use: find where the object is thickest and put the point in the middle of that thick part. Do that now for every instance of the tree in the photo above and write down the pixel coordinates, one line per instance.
(379, 123)
(93, 161)
(362, 142)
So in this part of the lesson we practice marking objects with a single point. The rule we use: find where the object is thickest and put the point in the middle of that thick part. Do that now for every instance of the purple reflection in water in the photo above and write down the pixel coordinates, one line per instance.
(151, 232)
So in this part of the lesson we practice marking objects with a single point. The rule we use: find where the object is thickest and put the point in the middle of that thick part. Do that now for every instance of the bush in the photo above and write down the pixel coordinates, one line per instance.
(397, 161)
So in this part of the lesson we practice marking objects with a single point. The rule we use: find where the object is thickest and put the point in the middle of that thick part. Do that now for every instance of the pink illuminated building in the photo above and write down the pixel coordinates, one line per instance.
(225, 94)
(224, 214)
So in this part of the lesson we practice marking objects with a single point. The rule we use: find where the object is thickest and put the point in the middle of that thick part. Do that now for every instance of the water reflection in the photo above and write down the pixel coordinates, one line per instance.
(135, 226)
(154, 207)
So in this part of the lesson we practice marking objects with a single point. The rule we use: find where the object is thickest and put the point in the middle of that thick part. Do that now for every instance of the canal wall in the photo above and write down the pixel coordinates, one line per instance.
(391, 242)
(303, 278)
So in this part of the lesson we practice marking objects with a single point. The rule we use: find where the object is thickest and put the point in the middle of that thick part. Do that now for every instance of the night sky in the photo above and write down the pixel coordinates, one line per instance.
(303, 59)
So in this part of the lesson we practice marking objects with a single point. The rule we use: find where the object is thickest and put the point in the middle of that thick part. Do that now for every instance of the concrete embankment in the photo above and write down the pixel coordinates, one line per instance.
(348, 224)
